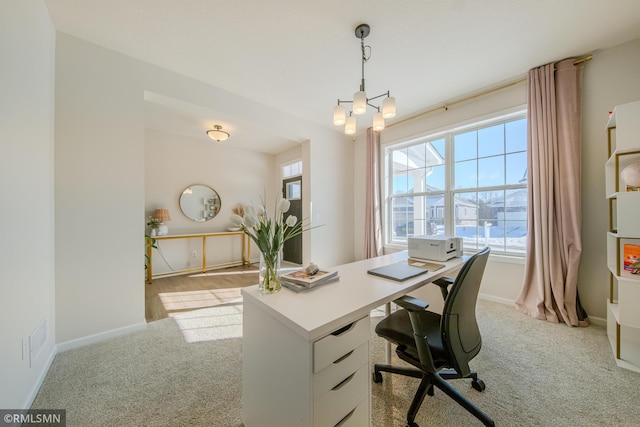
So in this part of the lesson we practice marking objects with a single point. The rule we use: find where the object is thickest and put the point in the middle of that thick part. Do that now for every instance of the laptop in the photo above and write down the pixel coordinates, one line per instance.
(399, 271)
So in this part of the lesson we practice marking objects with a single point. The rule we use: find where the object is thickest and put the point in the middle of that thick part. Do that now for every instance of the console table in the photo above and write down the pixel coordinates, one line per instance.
(306, 355)
(246, 250)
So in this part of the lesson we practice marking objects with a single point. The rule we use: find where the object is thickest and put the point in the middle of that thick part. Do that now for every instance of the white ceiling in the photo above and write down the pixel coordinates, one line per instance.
(300, 56)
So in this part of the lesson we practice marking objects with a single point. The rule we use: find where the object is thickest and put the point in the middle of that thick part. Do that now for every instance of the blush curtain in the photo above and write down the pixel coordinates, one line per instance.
(554, 243)
(373, 210)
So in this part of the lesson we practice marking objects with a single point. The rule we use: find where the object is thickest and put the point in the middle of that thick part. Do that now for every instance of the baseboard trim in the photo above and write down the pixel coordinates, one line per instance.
(81, 342)
(597, 321)
(501, 300)
(43, 374)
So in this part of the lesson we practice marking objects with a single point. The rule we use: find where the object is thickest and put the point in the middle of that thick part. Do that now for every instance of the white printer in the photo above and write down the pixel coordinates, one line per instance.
(436, 248)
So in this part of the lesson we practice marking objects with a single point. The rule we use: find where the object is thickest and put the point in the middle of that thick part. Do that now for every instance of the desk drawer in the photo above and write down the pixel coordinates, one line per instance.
(332, 347)
(358, 417)
(339, 370)
(335, 405)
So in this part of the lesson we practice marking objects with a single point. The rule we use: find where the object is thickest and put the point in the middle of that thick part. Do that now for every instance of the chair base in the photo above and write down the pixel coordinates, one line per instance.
(430, 380)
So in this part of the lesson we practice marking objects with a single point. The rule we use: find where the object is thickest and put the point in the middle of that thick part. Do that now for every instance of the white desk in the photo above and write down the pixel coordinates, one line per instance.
(298, 367)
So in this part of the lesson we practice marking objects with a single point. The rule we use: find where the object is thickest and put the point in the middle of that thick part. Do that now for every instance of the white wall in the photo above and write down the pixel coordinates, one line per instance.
(610, 79)
(330, 176)
(99, 185)
(27, 47)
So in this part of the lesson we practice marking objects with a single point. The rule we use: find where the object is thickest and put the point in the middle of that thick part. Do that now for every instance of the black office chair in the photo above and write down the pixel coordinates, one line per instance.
(432, 342)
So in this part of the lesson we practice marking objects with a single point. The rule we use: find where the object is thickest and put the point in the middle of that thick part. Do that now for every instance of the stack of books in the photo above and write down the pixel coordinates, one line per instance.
(301, 281)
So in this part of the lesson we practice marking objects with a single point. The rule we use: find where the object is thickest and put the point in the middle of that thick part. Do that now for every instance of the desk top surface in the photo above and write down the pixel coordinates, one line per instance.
(319, 311)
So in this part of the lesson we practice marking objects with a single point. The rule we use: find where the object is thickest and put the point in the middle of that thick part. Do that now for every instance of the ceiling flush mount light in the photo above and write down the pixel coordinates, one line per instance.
(360, 99)
(217, 134)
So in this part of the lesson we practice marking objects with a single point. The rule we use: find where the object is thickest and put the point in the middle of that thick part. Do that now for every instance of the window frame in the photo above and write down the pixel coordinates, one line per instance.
(449, 192)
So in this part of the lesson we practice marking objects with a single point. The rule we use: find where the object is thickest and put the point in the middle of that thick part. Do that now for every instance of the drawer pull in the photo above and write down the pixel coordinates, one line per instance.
(343, 382)
(343, 357)
(346, 418)
(342, 330)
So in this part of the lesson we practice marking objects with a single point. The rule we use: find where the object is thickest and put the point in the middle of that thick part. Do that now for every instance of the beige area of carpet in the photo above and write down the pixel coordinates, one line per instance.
(187, 371)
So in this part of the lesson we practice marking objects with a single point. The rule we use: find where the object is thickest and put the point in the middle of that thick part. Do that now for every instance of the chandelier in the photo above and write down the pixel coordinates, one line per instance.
(360, 99)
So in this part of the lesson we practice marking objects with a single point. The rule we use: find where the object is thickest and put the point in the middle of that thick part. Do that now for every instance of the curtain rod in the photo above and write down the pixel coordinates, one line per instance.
(583, 59)
(478, 95)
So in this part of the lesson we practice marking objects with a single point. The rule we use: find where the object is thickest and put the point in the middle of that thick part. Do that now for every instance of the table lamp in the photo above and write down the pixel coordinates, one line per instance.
(162, 215)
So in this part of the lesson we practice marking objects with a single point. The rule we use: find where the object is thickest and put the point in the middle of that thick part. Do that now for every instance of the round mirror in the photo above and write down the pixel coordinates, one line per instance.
(200, 202)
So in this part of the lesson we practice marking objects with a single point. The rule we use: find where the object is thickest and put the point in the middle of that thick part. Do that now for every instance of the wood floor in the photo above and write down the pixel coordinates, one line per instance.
(168, 296)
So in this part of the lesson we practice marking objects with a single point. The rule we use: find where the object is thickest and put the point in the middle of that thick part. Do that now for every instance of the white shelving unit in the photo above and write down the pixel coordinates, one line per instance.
(623, 314)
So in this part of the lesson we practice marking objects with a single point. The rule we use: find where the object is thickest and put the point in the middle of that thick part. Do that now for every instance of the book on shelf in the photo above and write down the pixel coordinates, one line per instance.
(300, 288)
(301, 278)
(631, 258)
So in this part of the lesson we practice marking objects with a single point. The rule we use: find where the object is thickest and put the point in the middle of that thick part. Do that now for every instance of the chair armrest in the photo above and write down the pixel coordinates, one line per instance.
(444, 283)
(411, 304)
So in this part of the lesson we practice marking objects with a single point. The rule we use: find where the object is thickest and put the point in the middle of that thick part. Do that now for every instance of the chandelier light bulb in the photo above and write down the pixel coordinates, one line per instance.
(389, 107)
(339, 115)
(378, 122)
(359, 102)
(350, 125)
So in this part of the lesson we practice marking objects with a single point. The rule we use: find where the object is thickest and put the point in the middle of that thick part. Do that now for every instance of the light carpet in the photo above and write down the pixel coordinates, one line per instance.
(187, 371)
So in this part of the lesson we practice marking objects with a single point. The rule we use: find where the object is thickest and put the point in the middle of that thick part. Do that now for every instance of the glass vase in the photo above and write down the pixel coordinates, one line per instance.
(269, 273)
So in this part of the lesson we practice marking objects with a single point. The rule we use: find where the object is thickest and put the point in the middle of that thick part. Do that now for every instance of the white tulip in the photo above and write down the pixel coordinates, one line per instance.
(291, 220)
(284, 205)
(260, 211)
(236, 220)
(250, 221)
(249, 210)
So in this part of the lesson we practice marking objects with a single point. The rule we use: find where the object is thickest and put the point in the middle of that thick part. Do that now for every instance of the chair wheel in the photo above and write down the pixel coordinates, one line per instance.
(377, 377)
(478, 385)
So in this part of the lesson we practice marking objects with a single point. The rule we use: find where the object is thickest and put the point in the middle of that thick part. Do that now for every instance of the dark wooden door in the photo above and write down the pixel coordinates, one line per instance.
(292, 190)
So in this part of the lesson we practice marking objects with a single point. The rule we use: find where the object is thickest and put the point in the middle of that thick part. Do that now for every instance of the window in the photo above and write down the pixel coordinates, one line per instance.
(293, 190)
(292, 169)
(468, 182)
